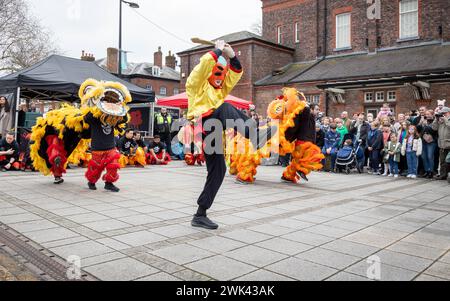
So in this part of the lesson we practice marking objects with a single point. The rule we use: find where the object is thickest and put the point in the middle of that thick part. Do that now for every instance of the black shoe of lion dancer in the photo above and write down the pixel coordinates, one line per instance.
(111, 187)
(58, 180)
(204, 222)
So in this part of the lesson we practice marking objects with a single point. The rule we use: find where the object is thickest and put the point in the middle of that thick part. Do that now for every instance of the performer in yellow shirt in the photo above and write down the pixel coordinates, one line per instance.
(207, 87)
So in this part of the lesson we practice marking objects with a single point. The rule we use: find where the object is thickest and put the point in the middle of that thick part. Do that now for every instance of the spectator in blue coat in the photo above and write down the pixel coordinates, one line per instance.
(375, 145)
(331, 147)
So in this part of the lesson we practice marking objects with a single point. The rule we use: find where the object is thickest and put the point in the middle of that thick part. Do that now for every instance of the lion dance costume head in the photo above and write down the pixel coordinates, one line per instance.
(306, 157)
(62, 136)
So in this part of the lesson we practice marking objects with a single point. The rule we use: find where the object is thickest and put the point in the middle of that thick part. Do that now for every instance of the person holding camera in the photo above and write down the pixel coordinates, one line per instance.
(441, 124)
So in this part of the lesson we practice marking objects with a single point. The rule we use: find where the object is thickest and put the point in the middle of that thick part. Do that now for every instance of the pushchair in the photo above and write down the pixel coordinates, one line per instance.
(350, 157)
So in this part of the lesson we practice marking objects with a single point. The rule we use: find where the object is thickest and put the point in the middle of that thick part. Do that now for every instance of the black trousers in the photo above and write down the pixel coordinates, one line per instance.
(167, 139)
(215, 163)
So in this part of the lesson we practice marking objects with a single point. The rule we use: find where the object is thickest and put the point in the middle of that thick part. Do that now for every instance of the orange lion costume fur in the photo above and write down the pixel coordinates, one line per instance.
(306, 156)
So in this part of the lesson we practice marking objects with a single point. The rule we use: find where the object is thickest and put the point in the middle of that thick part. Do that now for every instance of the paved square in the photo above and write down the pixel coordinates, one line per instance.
(334, 228)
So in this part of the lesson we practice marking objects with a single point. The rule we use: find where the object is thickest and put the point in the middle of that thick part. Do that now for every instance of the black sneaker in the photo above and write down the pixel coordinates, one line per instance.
(303, 176)
(204, 222)
(58, 181)
(111, 187)
(92, 186)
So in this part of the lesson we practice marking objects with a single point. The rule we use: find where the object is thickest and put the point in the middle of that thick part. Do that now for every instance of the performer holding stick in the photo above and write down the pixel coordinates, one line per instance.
(207, 86)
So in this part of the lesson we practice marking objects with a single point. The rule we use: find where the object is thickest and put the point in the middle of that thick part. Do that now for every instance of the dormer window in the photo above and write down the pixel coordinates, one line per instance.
(156, 71)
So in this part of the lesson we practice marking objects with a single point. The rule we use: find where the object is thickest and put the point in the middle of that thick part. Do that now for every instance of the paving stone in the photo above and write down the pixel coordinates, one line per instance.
(82, 250)
(417, 250)
(217, 244)
(138, 220)
(263, 275)
(255, 256)
(388, 273)
(346, 277)
(121, 270)
(174, 231)
(329, 258)
(350, 248)
(284, 246)
(107, 225)
(301, 270)
(189, 275)
(33, 226)
(440, 270)
(247, 236)
(221, 268)
(271, 229)
(308, 238)
(159, 277)
(182, 254)
(140, 238)
(50, 235)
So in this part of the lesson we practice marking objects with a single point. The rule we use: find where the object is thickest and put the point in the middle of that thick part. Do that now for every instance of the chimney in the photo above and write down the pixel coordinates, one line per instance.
(88, 57)
(158, 58)
(372, 39)
(112, 60)
(171, 60)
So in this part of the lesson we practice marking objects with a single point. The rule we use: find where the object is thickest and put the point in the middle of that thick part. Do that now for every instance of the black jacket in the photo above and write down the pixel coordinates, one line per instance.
(320, 139)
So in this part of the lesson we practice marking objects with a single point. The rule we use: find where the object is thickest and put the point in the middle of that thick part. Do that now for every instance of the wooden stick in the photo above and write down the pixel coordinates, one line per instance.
(202, 42)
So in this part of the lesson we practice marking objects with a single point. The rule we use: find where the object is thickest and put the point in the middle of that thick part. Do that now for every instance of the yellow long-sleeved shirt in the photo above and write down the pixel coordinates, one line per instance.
(203, 97)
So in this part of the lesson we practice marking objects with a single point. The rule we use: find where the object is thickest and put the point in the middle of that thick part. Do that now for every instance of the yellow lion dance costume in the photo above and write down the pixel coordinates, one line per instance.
(64, 135)
(294, 117)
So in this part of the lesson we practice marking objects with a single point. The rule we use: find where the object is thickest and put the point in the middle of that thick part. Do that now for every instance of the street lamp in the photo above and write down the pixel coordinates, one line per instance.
(132, 5)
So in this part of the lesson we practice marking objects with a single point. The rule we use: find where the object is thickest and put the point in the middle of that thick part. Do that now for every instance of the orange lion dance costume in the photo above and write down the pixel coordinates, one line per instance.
(296, 137)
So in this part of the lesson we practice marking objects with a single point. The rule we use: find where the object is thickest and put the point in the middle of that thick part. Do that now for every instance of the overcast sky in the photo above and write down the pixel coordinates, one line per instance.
(93, 25)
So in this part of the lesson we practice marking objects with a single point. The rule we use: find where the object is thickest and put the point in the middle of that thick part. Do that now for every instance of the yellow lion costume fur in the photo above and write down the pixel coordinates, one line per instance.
(62, 136)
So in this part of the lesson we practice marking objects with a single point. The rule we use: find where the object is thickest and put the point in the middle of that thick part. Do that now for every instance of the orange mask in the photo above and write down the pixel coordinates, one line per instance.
(218, 75)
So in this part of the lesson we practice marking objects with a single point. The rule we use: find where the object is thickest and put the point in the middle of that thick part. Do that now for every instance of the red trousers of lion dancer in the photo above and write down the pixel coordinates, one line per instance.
(104, 160)
(57, 155)
(152, 160)
(192, 159)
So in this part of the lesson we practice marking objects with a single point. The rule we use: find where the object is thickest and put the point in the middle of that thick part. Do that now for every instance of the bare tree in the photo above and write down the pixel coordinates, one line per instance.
(255, 28)
(23, 40)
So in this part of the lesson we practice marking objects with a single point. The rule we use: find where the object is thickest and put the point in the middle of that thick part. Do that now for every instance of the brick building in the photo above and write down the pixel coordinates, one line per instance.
(255, 53)
(164, 79)
(351, 55)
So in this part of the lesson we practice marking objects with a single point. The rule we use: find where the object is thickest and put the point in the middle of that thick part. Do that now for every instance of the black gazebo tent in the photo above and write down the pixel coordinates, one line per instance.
(59, 78)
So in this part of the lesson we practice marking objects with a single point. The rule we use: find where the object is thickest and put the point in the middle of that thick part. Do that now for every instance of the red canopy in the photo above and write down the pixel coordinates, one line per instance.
(181, 101)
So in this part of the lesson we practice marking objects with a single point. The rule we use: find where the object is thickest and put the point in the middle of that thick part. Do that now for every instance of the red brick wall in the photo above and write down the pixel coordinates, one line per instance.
(432, 14)
(257, 59)
(157, 84)
(304, 12)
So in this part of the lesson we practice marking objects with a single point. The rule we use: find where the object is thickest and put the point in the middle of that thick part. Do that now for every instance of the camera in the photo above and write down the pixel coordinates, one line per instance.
(439, 115)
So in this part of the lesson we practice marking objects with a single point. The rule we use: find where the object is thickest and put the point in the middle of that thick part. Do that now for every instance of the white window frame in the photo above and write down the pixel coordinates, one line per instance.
(176, 91)
(403, 13)
(340, 43)
(379, 99)
(366, 98)
(279, 34)
(149, 87)
(389, 98)
(156, 71)
(316, 99)
(163, 91)
(297, 32)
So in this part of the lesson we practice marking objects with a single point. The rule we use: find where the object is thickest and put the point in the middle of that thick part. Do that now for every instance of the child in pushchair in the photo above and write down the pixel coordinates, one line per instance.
(350, 156)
